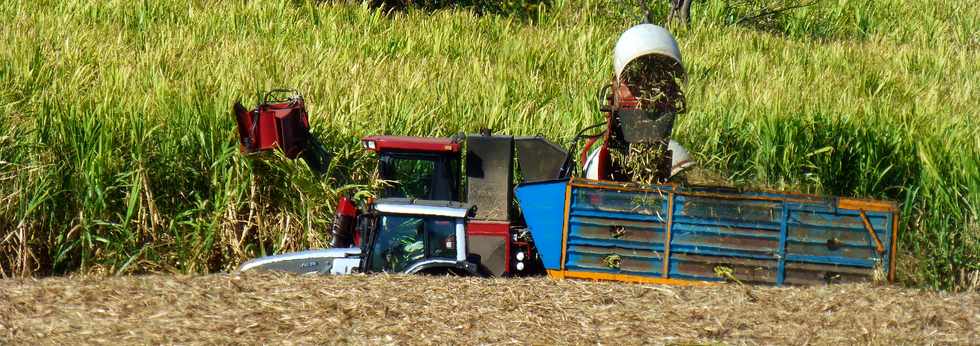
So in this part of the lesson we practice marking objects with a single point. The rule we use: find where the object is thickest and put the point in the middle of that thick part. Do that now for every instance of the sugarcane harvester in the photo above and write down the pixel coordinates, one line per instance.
(434, 216)
(453, 205)
(640, 106)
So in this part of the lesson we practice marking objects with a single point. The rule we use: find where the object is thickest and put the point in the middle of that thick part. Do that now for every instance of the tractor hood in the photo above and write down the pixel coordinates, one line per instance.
(319, 261)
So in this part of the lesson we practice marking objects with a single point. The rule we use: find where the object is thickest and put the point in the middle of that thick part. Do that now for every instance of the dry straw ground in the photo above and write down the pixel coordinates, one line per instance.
(268, 308)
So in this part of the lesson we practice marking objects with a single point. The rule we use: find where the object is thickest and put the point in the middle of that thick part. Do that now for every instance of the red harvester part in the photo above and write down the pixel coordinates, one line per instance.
(278, 122)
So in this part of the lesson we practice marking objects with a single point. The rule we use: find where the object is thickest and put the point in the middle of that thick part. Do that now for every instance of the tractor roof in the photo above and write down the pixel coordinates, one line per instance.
(407, 143)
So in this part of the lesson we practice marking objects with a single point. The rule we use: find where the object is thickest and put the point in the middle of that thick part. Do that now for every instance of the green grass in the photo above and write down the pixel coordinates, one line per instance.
(118, 152)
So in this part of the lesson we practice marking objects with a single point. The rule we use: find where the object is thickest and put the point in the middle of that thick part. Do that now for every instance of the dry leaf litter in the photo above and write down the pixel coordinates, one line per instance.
(272, 308)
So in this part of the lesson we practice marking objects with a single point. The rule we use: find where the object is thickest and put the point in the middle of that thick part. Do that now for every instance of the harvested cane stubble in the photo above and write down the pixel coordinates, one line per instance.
(398, 309)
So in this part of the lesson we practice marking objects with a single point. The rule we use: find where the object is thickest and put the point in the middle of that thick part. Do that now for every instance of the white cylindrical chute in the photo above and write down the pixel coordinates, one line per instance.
(643, 40)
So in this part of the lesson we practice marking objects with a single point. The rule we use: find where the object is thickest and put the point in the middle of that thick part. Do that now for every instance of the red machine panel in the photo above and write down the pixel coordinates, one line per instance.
(274, 123)
(407, 143)
(490, 240)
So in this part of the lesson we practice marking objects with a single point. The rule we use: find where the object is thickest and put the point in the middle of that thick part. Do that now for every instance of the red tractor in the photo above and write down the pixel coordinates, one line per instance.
(442, 211)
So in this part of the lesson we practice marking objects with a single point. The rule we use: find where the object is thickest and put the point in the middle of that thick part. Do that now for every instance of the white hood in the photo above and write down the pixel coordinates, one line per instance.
(322, 259)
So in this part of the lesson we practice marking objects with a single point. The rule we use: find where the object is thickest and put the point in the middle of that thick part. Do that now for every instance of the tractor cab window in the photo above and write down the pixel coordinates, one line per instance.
(404, 240)
(420, 175)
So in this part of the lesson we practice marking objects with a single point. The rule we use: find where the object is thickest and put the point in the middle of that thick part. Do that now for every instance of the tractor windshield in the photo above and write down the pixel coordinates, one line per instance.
(420, 175)
(403, 240)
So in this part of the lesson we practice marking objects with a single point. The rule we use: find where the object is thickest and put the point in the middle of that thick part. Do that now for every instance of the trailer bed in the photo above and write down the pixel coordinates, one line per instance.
(700, 235)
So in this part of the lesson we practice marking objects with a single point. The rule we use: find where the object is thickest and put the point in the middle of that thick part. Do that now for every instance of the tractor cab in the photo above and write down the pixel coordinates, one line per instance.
(417, 167)
(399, 236)
(416, 236)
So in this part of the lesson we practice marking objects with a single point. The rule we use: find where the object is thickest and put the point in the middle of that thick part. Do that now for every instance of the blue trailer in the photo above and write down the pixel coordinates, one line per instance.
(688, 235)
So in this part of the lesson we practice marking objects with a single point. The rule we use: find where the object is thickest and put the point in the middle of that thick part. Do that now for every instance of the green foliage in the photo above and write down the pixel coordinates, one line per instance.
(516, 8)
(118, 152)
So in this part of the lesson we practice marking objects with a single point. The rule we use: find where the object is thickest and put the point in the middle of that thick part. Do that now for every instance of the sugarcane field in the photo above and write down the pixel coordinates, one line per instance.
(490, 172)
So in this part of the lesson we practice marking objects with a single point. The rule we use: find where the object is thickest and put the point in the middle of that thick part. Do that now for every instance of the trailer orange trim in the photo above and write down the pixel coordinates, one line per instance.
(564, 227)
(800, 198)
(869, 205)
(871, 231)
(560, 274)
(665, 273)
(894, 251)
(618, 186)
